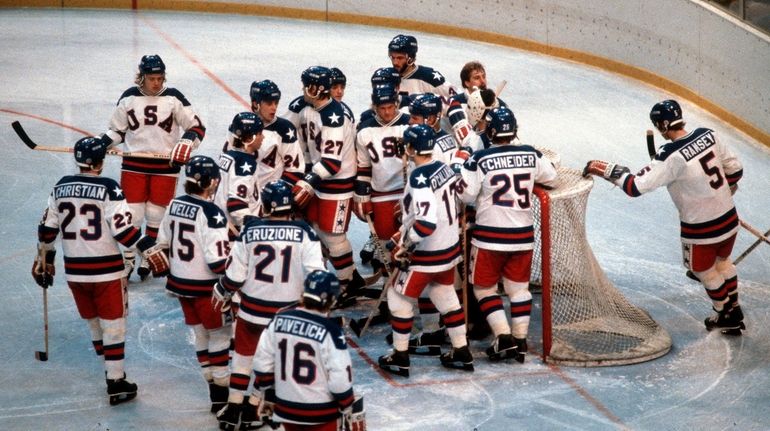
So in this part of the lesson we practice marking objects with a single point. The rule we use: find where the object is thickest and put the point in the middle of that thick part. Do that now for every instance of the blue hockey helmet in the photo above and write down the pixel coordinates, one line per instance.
(318, 76)
(421, 138)
(338, 77)
(666, 114)
(276, 197)
(89, 152)
(501, 123)
(383, 94)
(151, 64)
(404, 43)
(425, 105)
(245, 124)
(202, 170)
(321, 288)
(265, 90)
(386, 75)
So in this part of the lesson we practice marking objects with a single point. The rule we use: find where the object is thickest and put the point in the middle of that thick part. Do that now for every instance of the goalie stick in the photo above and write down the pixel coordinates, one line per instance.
(22, 134)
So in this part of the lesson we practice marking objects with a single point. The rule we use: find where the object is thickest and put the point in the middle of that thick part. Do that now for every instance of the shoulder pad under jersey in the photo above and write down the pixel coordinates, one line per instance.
(131, 92)
(244, 164)
(297, 104)
(420, 177)
(333, 330)
(367, 123)
(332, 115)
(284, 128)
(311, 234)
(214, 215)
(365, 116)
(348, 112)
(427, 74)
(173, 92)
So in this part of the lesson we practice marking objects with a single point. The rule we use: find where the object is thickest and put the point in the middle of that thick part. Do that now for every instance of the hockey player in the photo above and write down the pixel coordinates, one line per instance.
(466, 110)
(194, 231)
(701, 174)
(150, 118)
(380, 175)
(303, 368)
(93, 217)
(390, 76)
(416, 79)
(280, 154)
(498, 181)
(238, 193)
(267, 266)
(426, 109)
(327, 190)
(426, 250)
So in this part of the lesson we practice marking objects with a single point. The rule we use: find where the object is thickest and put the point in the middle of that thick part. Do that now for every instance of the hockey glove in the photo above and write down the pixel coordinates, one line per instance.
(154, 255)
(460, 156)
(43, 272)
(221, 297)
(354, 417)
(362, 200)
(304, 190)
(609, 171)
(183, 149)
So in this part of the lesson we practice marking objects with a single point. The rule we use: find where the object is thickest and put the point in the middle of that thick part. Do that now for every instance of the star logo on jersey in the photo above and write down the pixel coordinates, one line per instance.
(421, 179)
(295, 104)
(334, 118)
(219, 218)
(342, 338)
(290, 135)
(118, 192)
(246, 167)
(437, 75)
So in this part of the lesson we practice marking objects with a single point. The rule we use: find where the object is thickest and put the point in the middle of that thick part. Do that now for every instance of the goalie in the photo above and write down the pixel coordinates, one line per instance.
(701, 175)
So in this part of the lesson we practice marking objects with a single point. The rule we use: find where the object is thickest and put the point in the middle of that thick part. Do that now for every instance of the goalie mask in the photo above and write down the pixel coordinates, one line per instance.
(316, 81)
(89, 152)
(321, 288)
(501, 123)
(276, 197)
(202, 170)
(479, 102)
(264, 91)
(421, 138)
(666, 114)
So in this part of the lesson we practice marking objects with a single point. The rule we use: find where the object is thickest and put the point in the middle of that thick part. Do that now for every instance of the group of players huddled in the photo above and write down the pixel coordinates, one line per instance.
(244, 249)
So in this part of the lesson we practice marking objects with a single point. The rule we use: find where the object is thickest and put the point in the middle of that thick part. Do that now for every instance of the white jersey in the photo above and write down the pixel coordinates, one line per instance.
(238, 191)
(194, 231)
(330, 137)
(303, 354)
(378, 161)
(93, 216)
(698, 171)
(292, 116)
(445, 147)
(152, 124)
(430, 217)
(499, 182)
(268, 265)
(280, 156)
(423, 79)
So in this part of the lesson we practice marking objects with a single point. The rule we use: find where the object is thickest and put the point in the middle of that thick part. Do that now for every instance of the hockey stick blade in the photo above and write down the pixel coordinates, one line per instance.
(22, 134)
(651, 144)
(41, 356)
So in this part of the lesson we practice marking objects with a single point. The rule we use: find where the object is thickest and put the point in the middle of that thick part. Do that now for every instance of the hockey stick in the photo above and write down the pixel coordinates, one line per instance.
(651, 144)
(43, 356)
(500, 87)
(754, 231)
(750, 249)
(355, 325)
(22, 134)
(463, 245)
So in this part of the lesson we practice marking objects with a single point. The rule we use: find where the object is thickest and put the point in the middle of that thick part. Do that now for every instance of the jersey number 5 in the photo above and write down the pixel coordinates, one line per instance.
(711, 171)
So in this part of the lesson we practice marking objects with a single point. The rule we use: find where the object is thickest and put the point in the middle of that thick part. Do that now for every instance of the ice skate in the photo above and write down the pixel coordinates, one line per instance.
(120, 390)
(728, 322)
(458, 358)
(396, 362)
(502, 348)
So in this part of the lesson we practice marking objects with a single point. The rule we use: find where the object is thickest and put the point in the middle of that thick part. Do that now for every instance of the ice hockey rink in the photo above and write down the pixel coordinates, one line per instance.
(62, 72)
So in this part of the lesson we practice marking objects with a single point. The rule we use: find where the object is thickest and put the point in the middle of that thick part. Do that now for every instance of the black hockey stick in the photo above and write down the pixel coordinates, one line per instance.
(43, 356)
(22, 134)
(651, 144)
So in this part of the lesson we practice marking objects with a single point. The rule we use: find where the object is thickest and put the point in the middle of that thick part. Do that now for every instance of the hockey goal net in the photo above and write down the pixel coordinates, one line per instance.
(586, 320)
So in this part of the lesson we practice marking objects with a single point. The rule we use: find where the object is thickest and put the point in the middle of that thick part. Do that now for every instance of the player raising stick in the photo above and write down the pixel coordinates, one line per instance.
(498, 181)
(150, 118)
(701, 174)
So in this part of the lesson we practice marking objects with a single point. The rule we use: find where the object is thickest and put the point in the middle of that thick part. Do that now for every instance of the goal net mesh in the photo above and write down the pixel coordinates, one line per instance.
(590, 322)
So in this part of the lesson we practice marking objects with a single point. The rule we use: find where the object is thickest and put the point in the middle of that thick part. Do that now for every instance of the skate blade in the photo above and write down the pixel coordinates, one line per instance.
(456, 365)
(733, 332)
(425, 350)
(393, 369)
(503, 355)
(116, 399)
